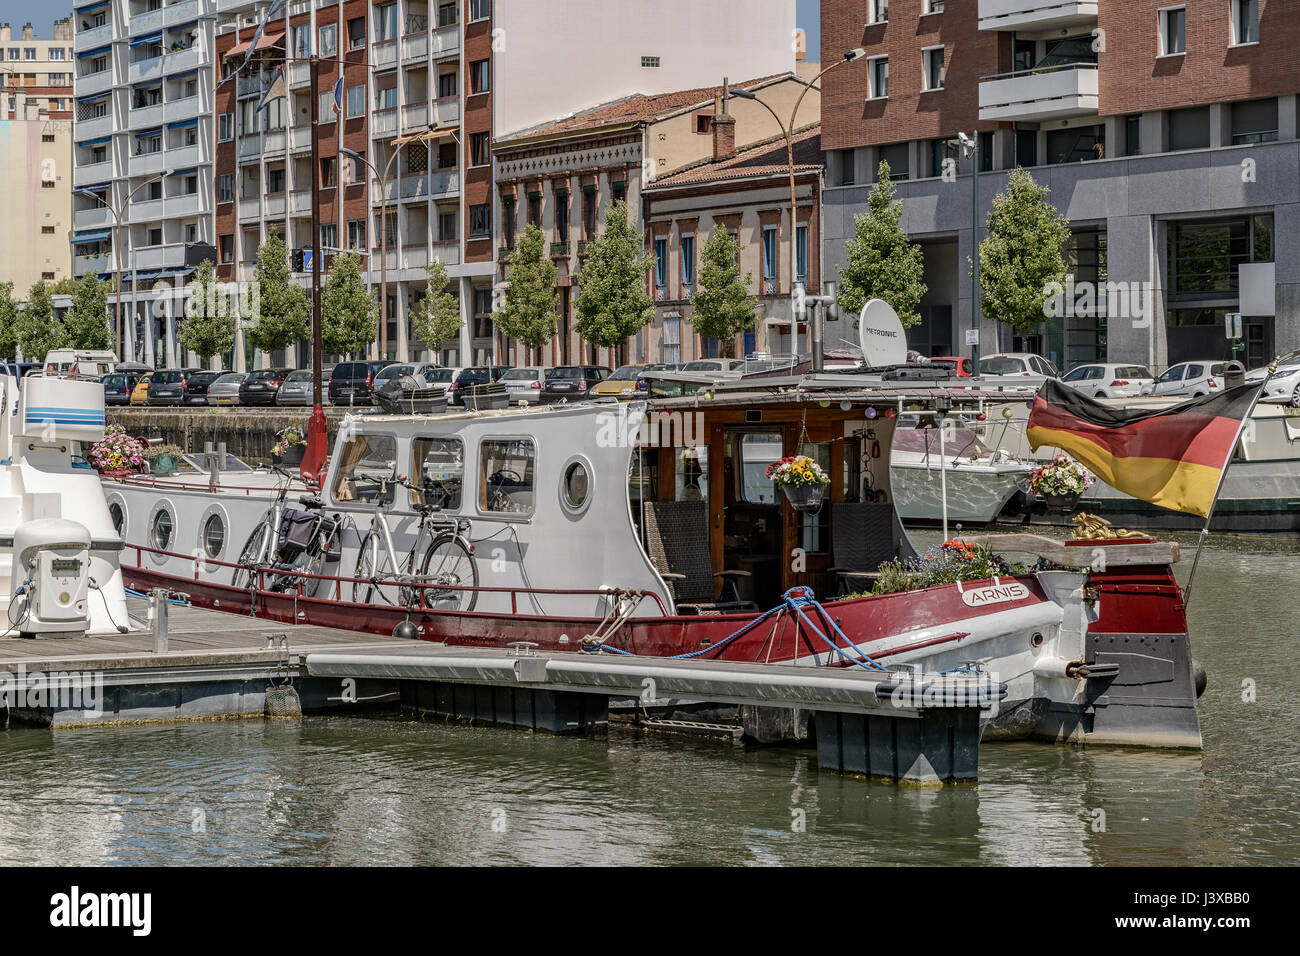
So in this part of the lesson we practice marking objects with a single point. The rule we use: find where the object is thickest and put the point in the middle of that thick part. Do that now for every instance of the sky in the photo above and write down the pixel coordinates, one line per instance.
(807, 15)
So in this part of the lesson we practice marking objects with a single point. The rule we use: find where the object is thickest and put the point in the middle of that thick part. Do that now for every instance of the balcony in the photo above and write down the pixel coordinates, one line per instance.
(1036, 14)
(446, 112)
(91, 83)
(144, 210)
(445, 251)
(148, 22)
(415, 116)
(95, 128)
(147, 164)
(249, 85)
(146, 117)
(503, 254)
(273, 142)
(96, 217)
(94, 37)
(184, 205)
(446, 42)
(559, 249)
(183, 157)
(442, 183)
(300, 202)
(415, 47)
(1041, 94)
(141, 70)
(96, 265)
(383, 55)
(273, 206)
(157, 257)
(383, 122)
(91, 173)
(250, 209)
(188, 108)
(299, 74)
(188, 59)
(250, 145)
(178, 13)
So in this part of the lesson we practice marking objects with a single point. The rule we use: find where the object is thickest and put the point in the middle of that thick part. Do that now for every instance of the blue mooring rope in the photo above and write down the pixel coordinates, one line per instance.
(794, 600)
(134, 593)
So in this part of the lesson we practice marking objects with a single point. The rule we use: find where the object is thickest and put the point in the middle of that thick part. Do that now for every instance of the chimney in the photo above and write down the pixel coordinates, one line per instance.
(28, 32)
(4, 33)
(724, 126)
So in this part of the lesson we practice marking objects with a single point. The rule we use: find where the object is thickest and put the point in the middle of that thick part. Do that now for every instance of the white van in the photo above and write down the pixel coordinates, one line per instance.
(80, 363)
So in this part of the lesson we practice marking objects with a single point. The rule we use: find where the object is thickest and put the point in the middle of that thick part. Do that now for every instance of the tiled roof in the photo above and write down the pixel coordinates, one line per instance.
(636, 109)
(767, 158)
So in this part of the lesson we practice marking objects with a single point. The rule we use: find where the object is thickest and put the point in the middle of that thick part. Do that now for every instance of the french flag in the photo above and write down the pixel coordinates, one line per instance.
(337, 105)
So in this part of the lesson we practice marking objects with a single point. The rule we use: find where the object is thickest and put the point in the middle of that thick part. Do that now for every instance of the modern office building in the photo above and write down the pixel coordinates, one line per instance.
(36, 146)
(1166, 132)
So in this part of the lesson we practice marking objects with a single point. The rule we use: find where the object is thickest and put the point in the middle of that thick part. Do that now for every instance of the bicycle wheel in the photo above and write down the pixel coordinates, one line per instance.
(254, 554)
(449, 563)
(312, 563)
(370, 566)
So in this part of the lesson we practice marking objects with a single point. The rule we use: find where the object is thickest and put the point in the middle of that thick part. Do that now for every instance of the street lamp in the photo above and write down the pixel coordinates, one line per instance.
(118, 212)
(788, 131)
(970, 146)
(398, 143)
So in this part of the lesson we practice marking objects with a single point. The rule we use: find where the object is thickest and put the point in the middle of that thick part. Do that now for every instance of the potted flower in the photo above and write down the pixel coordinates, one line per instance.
(117, 454)
(1060, 483)
(290, 448)
(163, 459)
(802, 480)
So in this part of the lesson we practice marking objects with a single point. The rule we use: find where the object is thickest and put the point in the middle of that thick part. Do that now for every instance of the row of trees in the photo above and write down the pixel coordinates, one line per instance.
(36, 329)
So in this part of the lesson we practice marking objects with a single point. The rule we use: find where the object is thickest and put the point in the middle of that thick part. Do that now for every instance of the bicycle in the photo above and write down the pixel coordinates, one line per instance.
(447, 565)
(289, 540)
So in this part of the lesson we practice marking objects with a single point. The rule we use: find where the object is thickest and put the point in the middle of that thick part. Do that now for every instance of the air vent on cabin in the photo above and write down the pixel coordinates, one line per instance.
(753, 416)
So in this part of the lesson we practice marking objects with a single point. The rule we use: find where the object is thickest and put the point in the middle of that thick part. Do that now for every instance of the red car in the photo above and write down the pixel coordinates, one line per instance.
(961, 364)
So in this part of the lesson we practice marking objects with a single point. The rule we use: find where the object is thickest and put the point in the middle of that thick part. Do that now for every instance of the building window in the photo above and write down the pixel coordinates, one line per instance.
(589, 213)
(225, 127)
(386, 99)
(619, 189)
(329, 39)
(1026, 148)
(47, 137)
(661, 268)
(446, 15)
(480, 9)
(356, 100)
(801, 254)
(447, 227)
(939, 151)
(225, 188)
(1173, 31)
(671, 346)
(846, 164)
(1076, 145)
(878, 78)
(480, 221)
(1133, 135)
(1254, 121)
(446, 85)
(934, 6)
(688, 265)
(1204, 256)
(771, 246)
(301, 35)
(900, 163)
(480, 76)
(535, 209)
(932, 58)
(47, 230)
(329, 236)
(47, 276)
(328, 172)
(356, 234)
(1189, 128)
(480, 149)
(1245, 22)
(386, 23)
(878, 10)
(562, 215)
(650, 62)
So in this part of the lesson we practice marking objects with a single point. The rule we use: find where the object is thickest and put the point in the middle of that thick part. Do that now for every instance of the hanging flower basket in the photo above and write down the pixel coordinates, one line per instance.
(290, 449)
(1060, 484)
(117, 454)
(1062, 504)
(802, 479)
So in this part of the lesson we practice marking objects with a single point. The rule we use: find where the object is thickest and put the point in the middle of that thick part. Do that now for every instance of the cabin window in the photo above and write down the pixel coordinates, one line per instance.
(506, 476)
(439, 469)
(118, 516)
(757, 451)
(814, 527)
(214, 535)
(161, 532)
(576, 487)
(693, 473)
(366, 459)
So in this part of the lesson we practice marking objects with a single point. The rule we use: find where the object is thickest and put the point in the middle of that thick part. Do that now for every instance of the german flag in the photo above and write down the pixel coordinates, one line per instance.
(1172, 457)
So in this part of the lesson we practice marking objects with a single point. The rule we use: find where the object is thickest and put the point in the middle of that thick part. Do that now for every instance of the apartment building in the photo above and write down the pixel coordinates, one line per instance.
(143, 148)
(563, 176)
(36, 143)
(406, 169)
(1166, 132)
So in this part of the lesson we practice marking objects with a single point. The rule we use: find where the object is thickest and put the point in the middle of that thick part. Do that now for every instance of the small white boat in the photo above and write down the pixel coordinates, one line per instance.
(979, 481)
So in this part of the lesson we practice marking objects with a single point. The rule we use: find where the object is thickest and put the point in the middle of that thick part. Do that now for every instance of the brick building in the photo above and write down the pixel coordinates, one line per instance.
(1167, 133)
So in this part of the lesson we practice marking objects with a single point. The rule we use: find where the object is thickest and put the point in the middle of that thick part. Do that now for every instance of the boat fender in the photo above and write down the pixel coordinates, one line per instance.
(1047, 666)
(1199, 677)
(405, 631)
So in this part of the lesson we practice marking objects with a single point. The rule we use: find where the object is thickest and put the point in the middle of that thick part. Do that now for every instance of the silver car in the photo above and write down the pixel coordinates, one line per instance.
(296, 389)
(523, 385)
(225, 390)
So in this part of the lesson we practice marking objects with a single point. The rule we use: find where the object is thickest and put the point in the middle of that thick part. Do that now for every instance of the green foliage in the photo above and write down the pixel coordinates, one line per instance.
(528, 313)
(612, 300)
(882, 262)
(210, 324)
(435, 317)
(87, 320)
(1022, 254)
(348, 310)
(8, 321)
(65, 286)
(947, 563)
(722, 307)
(39, 332)
(284, 315)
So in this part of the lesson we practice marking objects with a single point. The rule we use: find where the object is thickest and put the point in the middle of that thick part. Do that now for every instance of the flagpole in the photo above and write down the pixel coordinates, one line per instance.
(1223, 473)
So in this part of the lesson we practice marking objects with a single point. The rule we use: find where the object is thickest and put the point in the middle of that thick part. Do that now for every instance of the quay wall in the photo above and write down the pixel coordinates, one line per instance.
(248, 433)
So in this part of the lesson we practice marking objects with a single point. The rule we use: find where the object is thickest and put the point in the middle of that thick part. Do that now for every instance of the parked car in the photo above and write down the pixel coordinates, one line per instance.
(353, 383)
(417, 369)
(140, 394)
(1283, 387)
(440, 375)
(197, 385)
(296, 389)
(625, 382)
(225, 390)
(167, 387)
(961, 365)
(262, 386)
(118, 387)
(571, 382)
(1193, 379)
(524, 384)
(476, 375)
(714, 365)
(1018, 363)
(1108, 380)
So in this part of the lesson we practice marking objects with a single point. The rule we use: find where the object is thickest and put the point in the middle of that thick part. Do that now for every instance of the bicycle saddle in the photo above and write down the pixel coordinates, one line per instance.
(311, 502)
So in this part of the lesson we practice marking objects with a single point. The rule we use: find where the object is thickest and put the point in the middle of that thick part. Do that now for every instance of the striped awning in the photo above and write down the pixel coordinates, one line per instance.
(85, 238)
(147, 38)
(268, 40)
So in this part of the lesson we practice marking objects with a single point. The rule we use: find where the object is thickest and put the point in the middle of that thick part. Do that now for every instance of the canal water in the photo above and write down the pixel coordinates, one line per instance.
(397, 791)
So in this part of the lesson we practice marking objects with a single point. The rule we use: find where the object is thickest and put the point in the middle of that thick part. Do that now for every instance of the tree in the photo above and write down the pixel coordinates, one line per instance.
(284, 314)
(210, 322)
(8, 321)
(528, 313)
(87, 320)
(612, 299)
(722, 307)
(64, 286)
(435, 316)
(39, 332)
(1023, 253)
(348, 308)
(882, 262)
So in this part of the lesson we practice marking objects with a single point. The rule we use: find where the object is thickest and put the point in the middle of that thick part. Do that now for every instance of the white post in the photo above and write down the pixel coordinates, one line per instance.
(943, 478)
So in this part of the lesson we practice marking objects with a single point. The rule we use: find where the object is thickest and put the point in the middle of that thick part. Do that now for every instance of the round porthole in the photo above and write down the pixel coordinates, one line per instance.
(575, 485)
(118, 514)
(213, 535)
(160, 529)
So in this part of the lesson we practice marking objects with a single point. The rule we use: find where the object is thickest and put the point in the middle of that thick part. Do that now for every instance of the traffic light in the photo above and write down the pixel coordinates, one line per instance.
(299, 260)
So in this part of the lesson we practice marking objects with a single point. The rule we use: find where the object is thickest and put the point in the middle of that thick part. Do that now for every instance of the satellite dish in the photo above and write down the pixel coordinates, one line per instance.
(880, 333)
